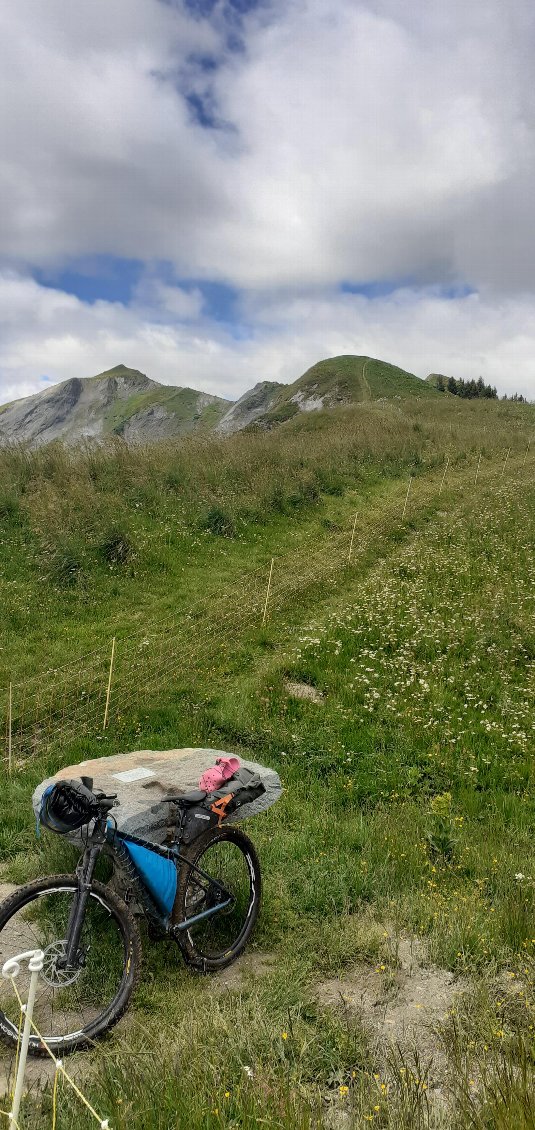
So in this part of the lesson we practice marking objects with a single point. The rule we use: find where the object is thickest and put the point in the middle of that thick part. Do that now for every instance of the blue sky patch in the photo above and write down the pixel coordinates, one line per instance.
(104, 277)
(111, 279)
(220, 300)
(205, 8)
(384, 287)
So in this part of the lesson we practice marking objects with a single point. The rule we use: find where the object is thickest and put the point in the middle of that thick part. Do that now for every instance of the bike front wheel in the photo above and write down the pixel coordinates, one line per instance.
(75, 1006)
(220, 868)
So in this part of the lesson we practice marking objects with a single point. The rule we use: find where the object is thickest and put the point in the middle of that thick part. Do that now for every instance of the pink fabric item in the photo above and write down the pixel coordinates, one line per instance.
(216, 776)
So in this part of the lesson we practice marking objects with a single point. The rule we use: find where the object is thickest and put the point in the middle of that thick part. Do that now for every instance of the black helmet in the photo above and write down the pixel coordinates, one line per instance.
(66, 806)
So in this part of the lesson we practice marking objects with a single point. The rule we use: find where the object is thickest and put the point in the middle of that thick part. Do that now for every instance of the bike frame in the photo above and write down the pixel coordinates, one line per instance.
(104, 837)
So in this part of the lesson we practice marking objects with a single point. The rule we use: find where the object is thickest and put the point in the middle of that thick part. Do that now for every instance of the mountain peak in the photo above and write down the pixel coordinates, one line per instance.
(120, 371)
(124, 401)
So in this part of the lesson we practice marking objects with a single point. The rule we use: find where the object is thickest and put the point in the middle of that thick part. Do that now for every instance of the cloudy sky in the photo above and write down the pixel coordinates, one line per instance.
(224, 191)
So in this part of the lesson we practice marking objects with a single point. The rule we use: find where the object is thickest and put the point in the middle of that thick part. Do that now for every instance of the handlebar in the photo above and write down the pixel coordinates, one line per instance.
(102, 801)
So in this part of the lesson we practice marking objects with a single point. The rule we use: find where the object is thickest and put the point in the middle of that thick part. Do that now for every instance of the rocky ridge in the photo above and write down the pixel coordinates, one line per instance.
(125, 402)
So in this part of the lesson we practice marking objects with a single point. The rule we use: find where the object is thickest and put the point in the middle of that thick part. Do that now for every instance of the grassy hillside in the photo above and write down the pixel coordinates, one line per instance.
(342, 376)
(408, 805)
(345, 380)
(93, 543)
(386, 380)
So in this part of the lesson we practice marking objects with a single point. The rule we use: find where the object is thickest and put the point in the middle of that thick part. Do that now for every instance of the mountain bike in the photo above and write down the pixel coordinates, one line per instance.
(203, 894)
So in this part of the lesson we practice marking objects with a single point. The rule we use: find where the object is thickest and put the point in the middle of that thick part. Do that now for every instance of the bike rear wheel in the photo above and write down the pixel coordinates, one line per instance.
(77, 1006)
(229, 860)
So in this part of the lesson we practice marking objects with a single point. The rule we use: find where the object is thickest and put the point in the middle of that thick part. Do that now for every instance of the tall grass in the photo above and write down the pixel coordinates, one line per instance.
(86, 536)
(408, 788)
(63, 492)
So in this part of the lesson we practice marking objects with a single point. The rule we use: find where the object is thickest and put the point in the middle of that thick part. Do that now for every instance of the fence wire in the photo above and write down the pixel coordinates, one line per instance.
(69, 702)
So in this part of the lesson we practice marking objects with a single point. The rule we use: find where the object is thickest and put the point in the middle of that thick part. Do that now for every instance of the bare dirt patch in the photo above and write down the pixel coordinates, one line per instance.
(243, 971)
(401, 1002)
(38, 1073)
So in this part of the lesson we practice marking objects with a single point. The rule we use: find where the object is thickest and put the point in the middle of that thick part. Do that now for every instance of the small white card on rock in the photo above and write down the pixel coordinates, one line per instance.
(133, 774)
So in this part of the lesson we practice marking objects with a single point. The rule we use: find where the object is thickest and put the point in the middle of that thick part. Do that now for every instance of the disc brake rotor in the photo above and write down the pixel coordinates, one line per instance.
(50, 974)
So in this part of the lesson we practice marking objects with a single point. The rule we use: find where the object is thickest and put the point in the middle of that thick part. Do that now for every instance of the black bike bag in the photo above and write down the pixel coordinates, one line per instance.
(244, 787)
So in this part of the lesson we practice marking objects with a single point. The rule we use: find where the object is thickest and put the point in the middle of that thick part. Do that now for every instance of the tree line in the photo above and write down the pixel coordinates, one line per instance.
(473, 389)
(467, 389)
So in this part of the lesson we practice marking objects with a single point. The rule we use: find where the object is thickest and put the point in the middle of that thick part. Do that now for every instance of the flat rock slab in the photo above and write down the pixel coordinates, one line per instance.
(141, 779)
(304, 691)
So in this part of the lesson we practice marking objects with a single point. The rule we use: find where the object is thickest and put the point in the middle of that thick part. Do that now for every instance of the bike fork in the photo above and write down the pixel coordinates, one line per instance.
(84, 874)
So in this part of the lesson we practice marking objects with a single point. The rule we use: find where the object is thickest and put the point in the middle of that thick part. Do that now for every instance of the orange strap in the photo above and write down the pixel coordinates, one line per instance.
(220, 806)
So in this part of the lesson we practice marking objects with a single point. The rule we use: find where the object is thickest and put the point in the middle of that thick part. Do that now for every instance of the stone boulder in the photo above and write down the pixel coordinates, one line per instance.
(141, 779)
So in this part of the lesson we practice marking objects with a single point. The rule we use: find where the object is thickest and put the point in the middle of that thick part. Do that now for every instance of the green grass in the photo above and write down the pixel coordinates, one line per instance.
(180, 404)
(350, 379)
(347, 380)
(408, 804)
(61, 514)
(336, 374)
(386, 380)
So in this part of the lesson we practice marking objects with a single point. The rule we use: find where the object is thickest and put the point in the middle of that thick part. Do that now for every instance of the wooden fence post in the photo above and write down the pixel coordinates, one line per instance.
(268, 590)
(406, 497)
(352, 537)
(505, 463)
(478, 466)
(444, 475)
(105, 723)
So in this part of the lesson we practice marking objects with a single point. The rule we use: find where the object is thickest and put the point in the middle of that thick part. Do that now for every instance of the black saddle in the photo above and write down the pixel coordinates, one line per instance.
(186, 799)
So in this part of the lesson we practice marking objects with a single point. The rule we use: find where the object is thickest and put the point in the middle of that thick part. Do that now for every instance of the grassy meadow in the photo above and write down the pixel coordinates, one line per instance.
(407, 819)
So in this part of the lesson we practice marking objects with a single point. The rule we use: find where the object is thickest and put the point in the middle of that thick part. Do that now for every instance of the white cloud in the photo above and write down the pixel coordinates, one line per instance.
(360, 140)
(45, 332)
(172, 302)
(368, 140)
(98, 152)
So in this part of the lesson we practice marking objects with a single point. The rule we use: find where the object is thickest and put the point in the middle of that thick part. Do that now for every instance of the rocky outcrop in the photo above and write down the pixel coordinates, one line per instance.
(42, 414)
(250, 407)
(120, 401)
(141, 780)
